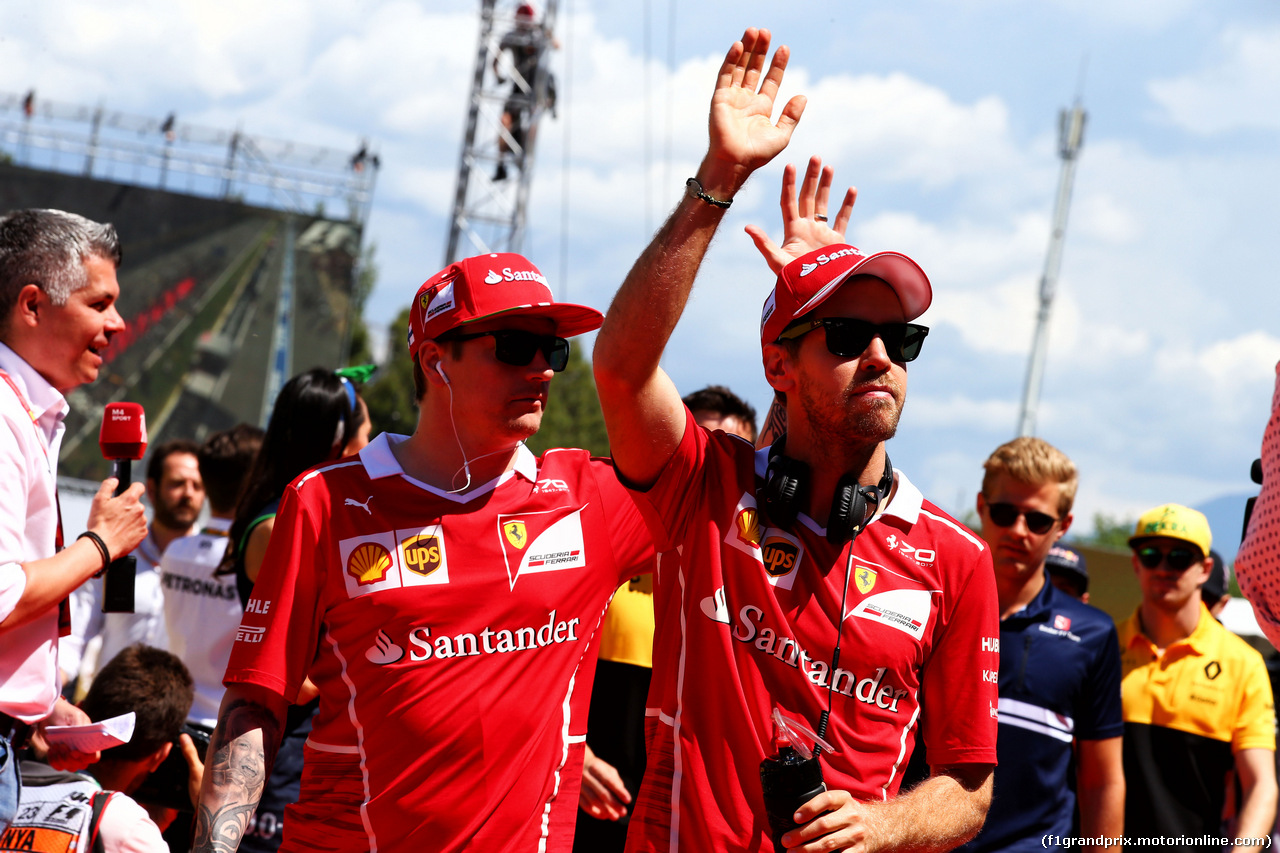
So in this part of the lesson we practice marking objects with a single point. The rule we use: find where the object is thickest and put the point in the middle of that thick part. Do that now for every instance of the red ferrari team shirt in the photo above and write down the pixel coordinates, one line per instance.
(453, 641)
(746, 622)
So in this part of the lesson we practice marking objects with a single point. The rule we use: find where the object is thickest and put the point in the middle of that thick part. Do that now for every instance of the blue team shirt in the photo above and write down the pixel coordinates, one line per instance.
(1059, 681)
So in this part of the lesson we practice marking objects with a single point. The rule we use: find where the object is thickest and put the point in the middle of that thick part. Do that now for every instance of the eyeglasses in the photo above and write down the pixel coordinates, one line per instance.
(848, 337)
(1178, 559)
(1006, 515)
(518, 347)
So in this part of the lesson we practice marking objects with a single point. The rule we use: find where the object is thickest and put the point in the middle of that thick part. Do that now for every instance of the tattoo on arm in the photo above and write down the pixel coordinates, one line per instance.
(244, 750)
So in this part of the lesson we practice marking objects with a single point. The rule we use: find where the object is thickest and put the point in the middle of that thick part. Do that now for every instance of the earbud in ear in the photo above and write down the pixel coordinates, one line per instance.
(443, 375)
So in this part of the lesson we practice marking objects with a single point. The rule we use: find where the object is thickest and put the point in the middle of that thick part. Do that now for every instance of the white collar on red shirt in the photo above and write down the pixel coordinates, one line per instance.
(47, 403)
(379, 461)
(905, 503)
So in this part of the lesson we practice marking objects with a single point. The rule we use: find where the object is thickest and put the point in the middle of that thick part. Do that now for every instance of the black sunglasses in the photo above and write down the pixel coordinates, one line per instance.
(517, 347)
(848, 337)
(1006, 515)
(1178, 559)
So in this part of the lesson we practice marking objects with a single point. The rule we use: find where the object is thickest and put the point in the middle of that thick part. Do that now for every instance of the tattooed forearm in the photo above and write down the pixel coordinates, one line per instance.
(242, 751)
(775, 424)
(221, 832)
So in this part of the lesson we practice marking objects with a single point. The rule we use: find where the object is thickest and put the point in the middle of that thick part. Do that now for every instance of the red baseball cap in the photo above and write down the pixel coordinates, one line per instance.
(486, 286)
(809, 280)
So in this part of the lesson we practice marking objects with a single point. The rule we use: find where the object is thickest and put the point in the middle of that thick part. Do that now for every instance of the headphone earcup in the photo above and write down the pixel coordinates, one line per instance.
(848, 506)
(785, 480)
(781, 493)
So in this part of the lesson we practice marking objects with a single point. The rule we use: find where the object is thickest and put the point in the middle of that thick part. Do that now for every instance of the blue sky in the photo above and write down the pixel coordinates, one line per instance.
(1165, 334)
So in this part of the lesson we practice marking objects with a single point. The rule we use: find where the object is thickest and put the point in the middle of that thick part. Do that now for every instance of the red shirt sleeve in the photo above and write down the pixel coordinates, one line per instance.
(961, 675)
(628, 534)
(677, 495)
(277, 639)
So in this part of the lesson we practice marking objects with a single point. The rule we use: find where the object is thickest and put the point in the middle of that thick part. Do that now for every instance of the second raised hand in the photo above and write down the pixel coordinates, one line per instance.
(802, 230)
(743, 134)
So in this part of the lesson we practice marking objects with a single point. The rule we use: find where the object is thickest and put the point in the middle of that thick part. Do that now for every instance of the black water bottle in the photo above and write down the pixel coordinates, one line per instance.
(789, 780)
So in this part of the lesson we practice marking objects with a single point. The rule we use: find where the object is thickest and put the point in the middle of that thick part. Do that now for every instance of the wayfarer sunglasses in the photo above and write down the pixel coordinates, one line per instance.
(848, 337)
(517, 347)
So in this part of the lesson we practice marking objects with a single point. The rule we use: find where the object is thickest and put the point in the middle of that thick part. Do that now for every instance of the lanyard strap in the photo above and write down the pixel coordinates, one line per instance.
(64, 607)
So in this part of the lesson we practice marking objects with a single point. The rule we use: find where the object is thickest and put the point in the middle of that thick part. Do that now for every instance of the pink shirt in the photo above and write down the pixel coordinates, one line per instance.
(28, 524)
(1258, 562)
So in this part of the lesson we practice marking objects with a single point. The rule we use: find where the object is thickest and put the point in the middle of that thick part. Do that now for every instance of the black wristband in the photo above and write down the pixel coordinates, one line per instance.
(693, 188)
(102, 549)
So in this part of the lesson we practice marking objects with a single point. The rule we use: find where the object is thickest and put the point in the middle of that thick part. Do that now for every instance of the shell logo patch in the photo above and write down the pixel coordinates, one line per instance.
(369, 563)
(422, 554)
(748, 522)
(865, 578)
(517, 534)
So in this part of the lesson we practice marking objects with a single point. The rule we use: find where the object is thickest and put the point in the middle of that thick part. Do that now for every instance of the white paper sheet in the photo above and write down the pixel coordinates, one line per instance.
(94, 736)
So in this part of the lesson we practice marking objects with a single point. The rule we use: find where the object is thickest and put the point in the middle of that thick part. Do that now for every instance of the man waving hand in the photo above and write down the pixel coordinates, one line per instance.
(792, 552)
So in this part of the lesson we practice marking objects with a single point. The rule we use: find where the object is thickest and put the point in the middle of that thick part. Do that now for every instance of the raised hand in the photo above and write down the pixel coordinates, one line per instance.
(805, 223)
(743, 135)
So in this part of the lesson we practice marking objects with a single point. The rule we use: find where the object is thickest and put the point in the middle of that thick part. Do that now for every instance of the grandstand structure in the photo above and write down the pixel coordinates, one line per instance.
(235, 274)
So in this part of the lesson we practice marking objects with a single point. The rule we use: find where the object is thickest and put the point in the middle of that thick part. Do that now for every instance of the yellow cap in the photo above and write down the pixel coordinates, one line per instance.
(1174, 521)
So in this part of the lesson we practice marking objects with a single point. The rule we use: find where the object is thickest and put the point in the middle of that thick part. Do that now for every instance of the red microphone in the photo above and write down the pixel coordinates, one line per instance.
(124, 434)
(123, 439)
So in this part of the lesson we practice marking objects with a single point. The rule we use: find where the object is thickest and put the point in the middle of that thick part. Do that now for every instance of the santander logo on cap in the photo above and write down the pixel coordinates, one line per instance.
(508, 274)
(822, 260)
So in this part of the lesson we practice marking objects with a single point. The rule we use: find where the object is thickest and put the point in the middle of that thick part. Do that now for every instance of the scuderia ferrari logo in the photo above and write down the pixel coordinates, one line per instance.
(547, 541)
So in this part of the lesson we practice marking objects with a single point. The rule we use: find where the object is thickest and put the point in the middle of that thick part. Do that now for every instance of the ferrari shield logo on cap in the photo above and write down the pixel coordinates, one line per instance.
(516, 534)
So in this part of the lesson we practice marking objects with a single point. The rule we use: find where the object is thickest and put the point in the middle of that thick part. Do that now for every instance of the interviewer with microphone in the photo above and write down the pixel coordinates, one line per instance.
(58, 291)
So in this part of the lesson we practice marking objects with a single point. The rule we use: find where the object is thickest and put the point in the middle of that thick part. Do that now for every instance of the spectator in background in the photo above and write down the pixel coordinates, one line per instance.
(68, 811)
(1197, 700)
(615, 759)
(1059, 667)
(176, 494)
(1215, 591)
(1258, 560)
(202, 610)
(716, 407)
(1068, 571)
(58, 291)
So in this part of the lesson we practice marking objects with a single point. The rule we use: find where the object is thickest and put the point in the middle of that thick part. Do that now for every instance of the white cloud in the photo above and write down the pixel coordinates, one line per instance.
(959, 410)
(1167, 300)
(1239, 88)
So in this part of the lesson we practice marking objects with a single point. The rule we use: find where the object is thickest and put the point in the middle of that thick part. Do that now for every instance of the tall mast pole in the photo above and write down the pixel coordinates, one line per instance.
(1070, 140)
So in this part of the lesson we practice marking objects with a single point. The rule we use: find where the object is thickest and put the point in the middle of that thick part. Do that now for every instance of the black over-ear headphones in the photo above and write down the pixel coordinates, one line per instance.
(787, 481)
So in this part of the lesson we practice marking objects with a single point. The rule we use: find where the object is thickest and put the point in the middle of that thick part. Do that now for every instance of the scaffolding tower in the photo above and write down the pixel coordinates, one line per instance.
(512, 88)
